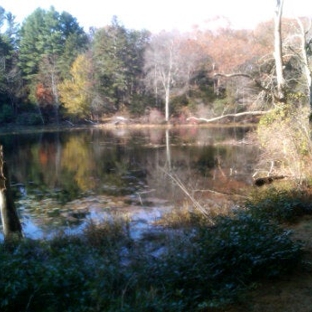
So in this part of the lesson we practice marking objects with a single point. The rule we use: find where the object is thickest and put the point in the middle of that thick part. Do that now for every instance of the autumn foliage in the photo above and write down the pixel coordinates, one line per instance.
(113, 69)
(74, 92)
(43, 95)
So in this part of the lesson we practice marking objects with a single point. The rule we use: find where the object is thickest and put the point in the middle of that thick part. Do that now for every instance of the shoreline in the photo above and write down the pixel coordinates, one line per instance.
(15, 129)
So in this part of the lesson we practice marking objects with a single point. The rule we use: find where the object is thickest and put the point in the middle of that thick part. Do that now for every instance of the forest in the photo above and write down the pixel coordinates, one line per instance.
(252, 254)
(52, 71)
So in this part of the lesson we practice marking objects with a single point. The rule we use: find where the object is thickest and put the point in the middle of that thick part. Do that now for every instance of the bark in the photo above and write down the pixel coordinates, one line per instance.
(167, 81)
(305, 60)
(278, 56)
(253, 113)
(10, 221)
(168, 153)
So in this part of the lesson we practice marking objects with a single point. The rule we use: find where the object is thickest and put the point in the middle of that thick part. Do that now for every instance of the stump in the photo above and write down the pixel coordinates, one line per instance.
(11, 224)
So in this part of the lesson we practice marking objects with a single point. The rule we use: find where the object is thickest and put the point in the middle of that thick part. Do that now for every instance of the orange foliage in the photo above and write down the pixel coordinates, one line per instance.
(43, 95)
(47, 153)
(230, 48)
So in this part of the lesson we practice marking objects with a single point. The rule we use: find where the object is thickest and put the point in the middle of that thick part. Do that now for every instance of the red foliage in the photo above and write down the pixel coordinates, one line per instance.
(43, 95)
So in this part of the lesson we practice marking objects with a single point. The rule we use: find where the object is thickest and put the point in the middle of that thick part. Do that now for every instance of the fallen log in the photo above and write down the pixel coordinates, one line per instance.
(267, 180)
(252, 113)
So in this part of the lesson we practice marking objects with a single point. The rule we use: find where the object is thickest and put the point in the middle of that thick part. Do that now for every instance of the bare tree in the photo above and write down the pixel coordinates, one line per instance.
(278, 55)
(297, 44)
(305, 45)
(276, 83)
(289, 150)
(165, 67)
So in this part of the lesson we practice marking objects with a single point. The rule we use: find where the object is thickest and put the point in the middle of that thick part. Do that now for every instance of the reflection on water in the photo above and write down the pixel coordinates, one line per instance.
(62, 179)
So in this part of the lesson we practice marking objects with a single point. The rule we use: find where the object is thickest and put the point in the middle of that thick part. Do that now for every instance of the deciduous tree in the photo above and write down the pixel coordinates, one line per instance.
(297, 47)
(46, 37)
(236, 51)
(278, 54)
(75, 92)
(167, 67)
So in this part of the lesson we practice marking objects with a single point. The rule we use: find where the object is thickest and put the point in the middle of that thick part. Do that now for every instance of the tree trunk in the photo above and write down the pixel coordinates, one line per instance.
(278, 51)
(10, 221)
(55, 98)
(167, 85)
(167, 105)
(168, 153)
(305, 60)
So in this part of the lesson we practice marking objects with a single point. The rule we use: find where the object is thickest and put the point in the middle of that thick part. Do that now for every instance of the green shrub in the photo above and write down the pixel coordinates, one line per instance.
(6, 114)
(211, 267)
(34, 280)
(103, 270)
(29, 119)
(280, 205)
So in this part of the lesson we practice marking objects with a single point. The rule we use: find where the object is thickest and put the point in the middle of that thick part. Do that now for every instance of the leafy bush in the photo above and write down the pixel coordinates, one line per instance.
(104, 270)
(6, 114)
(281, 205)
(29, 119)
(212, 268)
(62, 275)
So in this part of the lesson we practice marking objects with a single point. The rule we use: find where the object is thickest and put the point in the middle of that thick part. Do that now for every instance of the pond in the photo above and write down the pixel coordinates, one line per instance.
(63, 179)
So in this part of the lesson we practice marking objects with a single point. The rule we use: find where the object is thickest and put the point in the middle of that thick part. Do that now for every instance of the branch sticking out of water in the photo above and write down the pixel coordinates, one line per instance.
(195, 203)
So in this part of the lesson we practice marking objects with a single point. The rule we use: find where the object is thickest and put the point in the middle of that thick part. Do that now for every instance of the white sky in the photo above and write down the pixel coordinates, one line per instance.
(156, 15)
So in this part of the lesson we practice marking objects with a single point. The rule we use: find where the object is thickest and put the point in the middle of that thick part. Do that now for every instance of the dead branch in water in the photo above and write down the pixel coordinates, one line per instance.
(180, 184)
(252, 113)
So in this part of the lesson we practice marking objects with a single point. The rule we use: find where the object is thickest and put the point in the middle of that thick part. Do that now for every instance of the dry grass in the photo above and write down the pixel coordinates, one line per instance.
(288, 151)
(187, 217)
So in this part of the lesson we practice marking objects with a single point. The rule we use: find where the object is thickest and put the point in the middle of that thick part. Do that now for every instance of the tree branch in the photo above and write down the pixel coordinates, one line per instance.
(256, 82)
(253, 113)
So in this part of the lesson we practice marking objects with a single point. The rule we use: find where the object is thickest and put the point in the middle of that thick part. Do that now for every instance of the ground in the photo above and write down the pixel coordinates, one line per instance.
(292, 293)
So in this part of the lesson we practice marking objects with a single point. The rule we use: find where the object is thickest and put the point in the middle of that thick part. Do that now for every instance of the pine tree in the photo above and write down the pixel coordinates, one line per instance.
(46, 37)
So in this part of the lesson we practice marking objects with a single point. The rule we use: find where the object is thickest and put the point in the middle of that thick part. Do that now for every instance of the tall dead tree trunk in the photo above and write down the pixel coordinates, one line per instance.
(10, 221)
(278, 55)
(305, 59)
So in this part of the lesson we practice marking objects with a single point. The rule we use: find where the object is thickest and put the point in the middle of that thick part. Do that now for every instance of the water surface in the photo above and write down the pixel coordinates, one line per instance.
(63, 179)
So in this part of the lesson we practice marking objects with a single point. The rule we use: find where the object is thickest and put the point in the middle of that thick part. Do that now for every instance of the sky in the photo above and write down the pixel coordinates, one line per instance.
(157, 15)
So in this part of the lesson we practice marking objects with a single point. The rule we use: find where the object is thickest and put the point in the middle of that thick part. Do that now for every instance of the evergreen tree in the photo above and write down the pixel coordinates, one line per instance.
(118, 63)
(46, 39)
(9, 74)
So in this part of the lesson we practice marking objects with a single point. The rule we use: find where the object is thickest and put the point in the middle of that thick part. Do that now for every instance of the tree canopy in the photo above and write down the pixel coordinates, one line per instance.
(52, 70)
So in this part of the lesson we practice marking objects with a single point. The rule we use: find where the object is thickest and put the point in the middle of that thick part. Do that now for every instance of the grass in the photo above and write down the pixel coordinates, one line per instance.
(188, 263)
